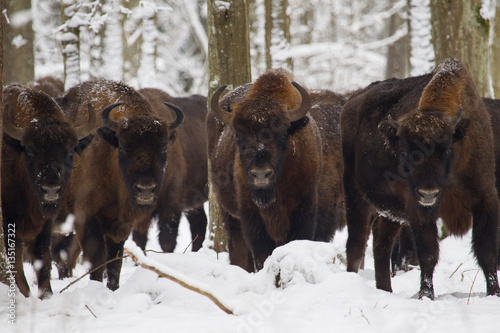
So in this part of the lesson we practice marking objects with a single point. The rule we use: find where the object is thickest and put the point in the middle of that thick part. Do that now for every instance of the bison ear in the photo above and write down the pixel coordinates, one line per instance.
(388, 130)
(297, 125)
(15, 144)
(108, 135)
(172, 137)
(461, 129)
(83, 143)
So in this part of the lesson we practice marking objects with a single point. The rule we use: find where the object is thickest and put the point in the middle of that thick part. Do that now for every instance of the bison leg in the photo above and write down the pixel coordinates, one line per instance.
(239, 252)
(484, 242)
(94, 250)
(404, 251)
(384, 234)
(21, 281)
(42, 260)
(61, 245)
(198, 224)
(140, 233)
(426, 239)
(114, 250)
(168, 223)
(358, 227)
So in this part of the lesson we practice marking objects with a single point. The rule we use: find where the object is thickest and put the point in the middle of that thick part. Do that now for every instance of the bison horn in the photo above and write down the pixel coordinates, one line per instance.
(220, 113)
(296, 114)
(178, 120)
(84, 130)
(392, 122)
(13, 131)
(457, 118)
(109, 123)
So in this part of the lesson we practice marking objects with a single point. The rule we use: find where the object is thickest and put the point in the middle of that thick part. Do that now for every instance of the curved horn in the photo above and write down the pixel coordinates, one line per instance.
(14, 132)
(392, 122)
(296, 114)
(221, 114)
(456, 119)
(84, 130)
(109, 123)
(178, 120)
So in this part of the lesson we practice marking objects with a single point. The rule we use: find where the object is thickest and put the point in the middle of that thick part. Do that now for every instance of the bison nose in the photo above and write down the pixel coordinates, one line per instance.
(261, 177)
(51, 193)
(145, 193)
(428, 197)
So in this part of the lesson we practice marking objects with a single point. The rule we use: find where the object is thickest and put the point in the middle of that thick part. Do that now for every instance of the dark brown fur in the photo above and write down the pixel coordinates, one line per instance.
(304, 199)
(52, 86)
(42, 158)
(105, 188)
(393, 165)
(183, 188)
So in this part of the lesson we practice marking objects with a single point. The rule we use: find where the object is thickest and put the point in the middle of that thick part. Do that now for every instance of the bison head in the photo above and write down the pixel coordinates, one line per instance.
(425, 140)
(48, 144)
(262, 127)
(142, 142)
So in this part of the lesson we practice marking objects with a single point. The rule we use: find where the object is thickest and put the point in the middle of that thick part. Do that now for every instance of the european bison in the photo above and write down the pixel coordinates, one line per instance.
(37, 160)
(274, 152)
(415, 150)
(50, 85)
(116, 181)
(183, 188)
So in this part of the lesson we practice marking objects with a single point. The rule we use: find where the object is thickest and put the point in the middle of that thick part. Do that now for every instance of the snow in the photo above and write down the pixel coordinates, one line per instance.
(315, 294)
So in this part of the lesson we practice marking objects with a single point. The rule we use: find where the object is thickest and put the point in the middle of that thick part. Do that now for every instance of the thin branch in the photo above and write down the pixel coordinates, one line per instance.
(90, 311)
(195, 238)
(91, 271)
(470, 292)
(456, 269)
(182, 283)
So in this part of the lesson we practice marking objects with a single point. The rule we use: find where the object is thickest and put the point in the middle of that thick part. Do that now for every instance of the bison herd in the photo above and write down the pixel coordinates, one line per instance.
(285, 163)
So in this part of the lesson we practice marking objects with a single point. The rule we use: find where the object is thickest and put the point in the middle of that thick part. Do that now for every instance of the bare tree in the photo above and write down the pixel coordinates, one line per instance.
(495, 54)
(71, 43)
(228, 63)
(277, 34)
(18, 42)
(460, 29)
(397, 52)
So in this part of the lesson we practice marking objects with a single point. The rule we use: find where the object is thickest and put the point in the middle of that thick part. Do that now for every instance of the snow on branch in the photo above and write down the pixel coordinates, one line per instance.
(138, 256)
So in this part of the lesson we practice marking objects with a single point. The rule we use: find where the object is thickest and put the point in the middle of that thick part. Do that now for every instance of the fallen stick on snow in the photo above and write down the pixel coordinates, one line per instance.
(134, 252)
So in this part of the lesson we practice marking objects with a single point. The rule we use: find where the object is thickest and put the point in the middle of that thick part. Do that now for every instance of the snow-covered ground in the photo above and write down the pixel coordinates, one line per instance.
(316, 295)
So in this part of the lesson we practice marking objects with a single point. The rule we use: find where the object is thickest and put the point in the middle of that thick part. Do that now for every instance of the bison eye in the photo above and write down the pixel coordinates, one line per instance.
(448, 152)
(404, 154)
(29, 152)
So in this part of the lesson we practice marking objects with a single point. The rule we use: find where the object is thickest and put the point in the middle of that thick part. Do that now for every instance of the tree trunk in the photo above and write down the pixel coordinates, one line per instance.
(71, 44)
(277, 34)
(495, 55)
(18, 42)
(228, 63)
(397, 53)
(459, 30)
(132, 43)
(421, 52)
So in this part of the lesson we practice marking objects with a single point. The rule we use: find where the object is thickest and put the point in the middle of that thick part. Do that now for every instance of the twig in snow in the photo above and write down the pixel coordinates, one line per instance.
(195, 238)
(90, 311)
(456, 269)
(470, 292)
(91, 271)
(182, 283)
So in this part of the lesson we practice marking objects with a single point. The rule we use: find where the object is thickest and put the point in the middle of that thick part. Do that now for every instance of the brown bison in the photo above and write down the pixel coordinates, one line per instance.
(117, 180)
(50, 85)
(37, 160)
(275, 165)
(415, 150)
(183, 187)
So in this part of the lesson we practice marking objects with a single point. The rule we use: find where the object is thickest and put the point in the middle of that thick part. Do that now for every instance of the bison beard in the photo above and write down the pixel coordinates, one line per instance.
(263, 197)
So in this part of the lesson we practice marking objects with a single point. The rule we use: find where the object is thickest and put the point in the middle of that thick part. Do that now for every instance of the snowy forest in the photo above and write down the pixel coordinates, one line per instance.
(182, 48)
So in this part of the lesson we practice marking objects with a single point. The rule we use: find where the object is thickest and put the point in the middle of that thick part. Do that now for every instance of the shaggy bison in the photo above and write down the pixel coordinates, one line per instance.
(274, 152)
(183, 187)
(37, 160)
(415, 150)
(117, 180)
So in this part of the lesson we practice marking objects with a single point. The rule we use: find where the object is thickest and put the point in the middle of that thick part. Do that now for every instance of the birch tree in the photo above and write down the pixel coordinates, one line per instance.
(228, 63)
(70, 40)
(18, 42)
(422, 59)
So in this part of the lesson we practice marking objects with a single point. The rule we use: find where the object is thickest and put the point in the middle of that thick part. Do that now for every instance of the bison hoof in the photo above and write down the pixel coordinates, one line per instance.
(429, 293)
(113, 285)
